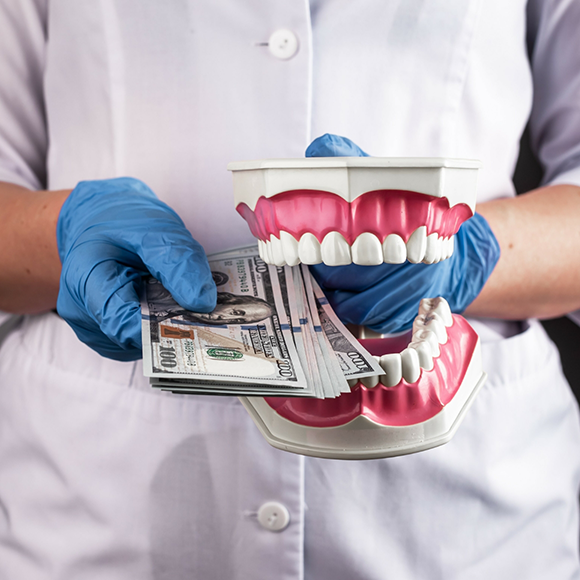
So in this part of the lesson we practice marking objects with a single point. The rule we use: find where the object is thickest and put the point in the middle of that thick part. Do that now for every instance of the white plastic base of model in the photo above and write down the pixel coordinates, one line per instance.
(350, 177)
(362, 438)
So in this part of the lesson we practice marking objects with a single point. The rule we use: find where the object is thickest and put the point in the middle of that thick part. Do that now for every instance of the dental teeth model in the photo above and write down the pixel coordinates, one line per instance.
(369, 211)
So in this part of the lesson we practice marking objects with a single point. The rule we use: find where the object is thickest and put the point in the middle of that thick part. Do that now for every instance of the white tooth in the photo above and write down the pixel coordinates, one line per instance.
(424, 316)
(451, 246)
(426, 305)
(352, 382)
(438, 327)
(394, 249)
(439, 306)
(443, 310)
(268, 253)
(429, 336)
(425, 355)
(391, 364)
(410, 365)
(335, 250)
(290, 248)
(431, 321)
(416, 245)
(367, 250)
(309, 249)
(262, 249)
(277, 252)
(438, 250)
(445, 247)
(370, 382)
(431, 249)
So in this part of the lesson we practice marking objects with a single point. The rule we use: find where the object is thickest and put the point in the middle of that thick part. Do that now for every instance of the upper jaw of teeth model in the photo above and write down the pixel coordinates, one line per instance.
(339, 211)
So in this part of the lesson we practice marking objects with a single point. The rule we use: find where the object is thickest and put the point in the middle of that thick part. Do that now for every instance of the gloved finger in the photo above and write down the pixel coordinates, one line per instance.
(72, 308)
(390, 304)
(478, 247)
(353, 278)
(329, 145)
(112, 300)
(179, 262)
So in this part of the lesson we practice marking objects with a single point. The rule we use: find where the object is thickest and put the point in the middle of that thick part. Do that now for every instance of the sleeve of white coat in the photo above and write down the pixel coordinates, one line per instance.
(554, 38)
(23, 138)
(23, 135)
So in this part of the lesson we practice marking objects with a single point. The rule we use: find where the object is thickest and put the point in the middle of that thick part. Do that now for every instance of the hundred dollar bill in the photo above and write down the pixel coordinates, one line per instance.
(250, 250)
(319, 361)
(338, 383)
(315, 363)
(245, 342)
(355, 361)
(291, 305)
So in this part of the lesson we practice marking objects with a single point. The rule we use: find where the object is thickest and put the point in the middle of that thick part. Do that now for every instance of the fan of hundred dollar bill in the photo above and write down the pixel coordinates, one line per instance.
(272, 333)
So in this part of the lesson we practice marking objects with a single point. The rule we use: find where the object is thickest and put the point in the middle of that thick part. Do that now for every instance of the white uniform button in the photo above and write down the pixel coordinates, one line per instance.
(274, 516)
(283, 44)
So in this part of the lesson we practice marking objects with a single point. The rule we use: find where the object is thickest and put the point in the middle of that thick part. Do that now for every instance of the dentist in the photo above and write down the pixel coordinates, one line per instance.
(100, 476)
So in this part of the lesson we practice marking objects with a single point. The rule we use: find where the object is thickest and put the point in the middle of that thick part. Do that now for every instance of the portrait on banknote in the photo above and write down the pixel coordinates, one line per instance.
(230, 309)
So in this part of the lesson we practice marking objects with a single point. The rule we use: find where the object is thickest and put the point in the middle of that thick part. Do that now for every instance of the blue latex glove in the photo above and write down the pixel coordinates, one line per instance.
(386, 298)
(110, 234)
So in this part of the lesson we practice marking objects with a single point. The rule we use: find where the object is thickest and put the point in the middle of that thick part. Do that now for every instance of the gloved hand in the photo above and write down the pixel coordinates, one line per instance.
(386, 298)
(110, 234)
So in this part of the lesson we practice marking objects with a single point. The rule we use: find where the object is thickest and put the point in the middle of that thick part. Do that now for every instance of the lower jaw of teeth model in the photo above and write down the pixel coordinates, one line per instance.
(368, 211)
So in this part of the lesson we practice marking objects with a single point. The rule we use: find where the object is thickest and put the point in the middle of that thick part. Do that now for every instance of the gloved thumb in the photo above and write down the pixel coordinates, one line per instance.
(180, 264)
(329, 145)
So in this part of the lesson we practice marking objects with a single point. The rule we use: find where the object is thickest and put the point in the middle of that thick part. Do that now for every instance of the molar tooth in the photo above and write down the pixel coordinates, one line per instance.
(277, 252)
(431, 321)
(439, 306)
(290, 248)
(394, 249)
(416, 245)
(370, 382)
(352, 382)
(424, 352)
(410, 365)
(309, 249)
(432, 249)
(367, 250)
(391, 364)
(335, 250)
(423, 334)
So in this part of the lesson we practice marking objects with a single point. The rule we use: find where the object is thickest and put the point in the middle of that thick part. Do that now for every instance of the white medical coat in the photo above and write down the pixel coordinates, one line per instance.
(100, 476)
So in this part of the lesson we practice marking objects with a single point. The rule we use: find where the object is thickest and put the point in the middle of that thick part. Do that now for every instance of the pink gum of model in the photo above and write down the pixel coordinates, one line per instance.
(403, 404)
(380, 212)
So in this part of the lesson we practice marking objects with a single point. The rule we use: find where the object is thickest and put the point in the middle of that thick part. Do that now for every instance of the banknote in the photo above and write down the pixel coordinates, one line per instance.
(249, 250)
(246, 340)
(272, 333)
(314, 356)
(355, 361)
(292, 312)
(338, 382)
